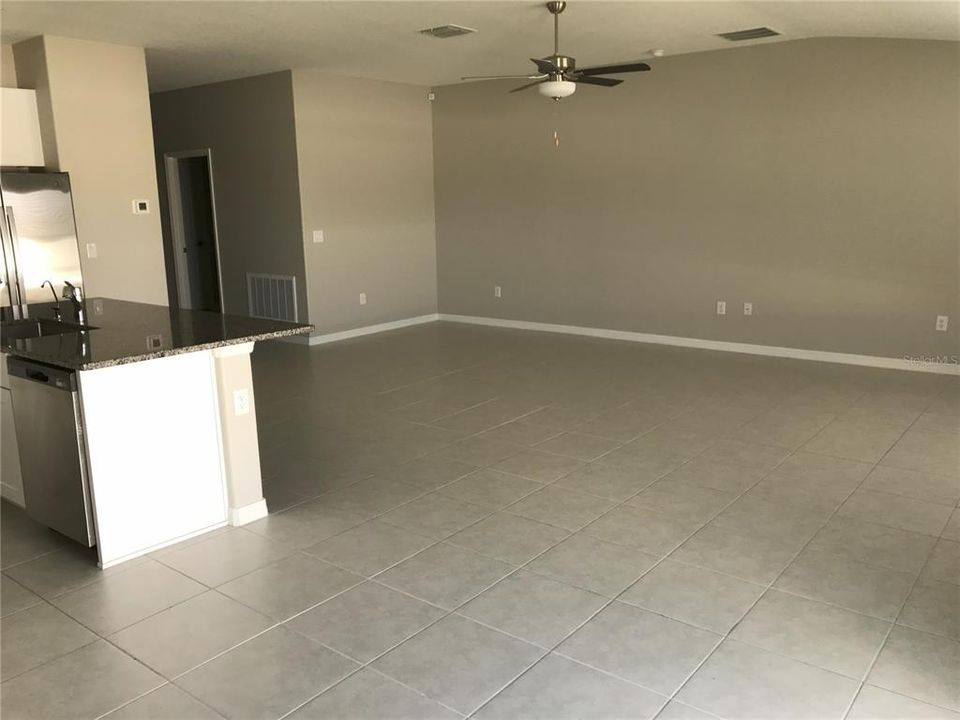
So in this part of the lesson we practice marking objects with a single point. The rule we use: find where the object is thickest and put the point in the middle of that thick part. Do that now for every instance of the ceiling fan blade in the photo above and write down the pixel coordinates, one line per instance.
(502, 77)
(544, 66)
(528, 85)
(588, 80)
(609, 69)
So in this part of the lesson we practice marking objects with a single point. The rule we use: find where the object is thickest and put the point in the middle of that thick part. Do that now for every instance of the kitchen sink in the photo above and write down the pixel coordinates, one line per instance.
(29, 328)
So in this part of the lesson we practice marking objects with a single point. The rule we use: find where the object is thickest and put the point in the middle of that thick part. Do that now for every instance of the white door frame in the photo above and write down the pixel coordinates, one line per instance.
(175, 208)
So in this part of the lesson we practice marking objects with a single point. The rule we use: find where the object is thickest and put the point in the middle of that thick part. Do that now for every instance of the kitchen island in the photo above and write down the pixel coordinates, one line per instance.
(164, 414)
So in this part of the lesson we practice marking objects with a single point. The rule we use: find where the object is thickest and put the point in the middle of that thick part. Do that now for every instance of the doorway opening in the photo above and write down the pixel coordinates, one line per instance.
(193, 229)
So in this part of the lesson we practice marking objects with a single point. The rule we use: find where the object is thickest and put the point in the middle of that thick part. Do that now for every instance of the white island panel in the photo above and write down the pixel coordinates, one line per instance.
(154, 453)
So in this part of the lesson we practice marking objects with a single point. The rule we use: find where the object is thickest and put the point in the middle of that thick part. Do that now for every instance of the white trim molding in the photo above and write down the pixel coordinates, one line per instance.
(948, 367)
(367, 330)
(248, 513)
(12, 493)
(230, 350)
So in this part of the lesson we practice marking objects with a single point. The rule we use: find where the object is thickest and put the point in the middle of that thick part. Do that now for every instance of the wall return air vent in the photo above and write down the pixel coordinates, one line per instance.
(272, 297)
(447, 31)
(751, 34)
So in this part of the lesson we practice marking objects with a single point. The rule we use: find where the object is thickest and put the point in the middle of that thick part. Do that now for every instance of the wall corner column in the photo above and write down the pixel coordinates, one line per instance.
(241, 450)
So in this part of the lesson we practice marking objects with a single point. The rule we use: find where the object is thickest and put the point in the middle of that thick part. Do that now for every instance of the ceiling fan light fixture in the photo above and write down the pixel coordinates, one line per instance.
(557, 75)
(557, 89)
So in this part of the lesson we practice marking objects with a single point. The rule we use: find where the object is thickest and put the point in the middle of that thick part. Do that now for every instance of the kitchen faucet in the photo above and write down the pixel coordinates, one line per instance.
(75, 295)
(56, 300)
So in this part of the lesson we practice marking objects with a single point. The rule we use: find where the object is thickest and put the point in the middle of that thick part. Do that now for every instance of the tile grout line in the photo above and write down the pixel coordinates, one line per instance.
(98, 635)
(424, 455)
(775, 579)
(523, 566)
(792, 452)
(453, 611)
(616, 597)
(447, 537)
(916, 580)
(283, 622)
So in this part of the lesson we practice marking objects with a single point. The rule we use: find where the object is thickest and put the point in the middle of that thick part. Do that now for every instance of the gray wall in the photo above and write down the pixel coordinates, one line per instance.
(248, 126)
(816, 179)
(365, 154)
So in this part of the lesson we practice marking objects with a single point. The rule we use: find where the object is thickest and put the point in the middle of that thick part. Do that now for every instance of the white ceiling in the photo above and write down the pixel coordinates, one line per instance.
(196, 41)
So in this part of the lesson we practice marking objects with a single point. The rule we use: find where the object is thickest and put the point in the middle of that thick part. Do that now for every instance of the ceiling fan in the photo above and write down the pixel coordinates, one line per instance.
(557, 75)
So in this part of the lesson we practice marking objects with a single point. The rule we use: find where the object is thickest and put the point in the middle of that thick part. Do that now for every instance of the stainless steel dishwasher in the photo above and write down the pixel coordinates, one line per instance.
(53, 462)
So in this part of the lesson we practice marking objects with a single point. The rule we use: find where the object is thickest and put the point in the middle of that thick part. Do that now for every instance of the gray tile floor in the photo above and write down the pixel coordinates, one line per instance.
(478, 522)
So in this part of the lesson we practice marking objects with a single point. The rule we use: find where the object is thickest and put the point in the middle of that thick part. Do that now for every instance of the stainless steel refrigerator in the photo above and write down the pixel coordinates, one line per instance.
(39, 239)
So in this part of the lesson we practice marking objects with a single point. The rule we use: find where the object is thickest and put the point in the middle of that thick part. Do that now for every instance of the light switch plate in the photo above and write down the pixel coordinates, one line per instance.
(318, 236)
(721, 307)
(942, 321)
(91, 250)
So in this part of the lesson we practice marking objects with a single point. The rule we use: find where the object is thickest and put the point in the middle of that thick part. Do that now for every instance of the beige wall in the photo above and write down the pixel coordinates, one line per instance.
(8, 69)
(816, 179)
(365, 154)
(248, 126)
(95, 119)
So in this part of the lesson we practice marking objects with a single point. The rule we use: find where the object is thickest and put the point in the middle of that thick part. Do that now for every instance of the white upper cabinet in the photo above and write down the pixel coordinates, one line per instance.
(20, 143)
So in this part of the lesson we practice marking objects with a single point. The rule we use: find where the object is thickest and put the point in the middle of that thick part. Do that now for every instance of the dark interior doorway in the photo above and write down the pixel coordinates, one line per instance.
(194, 230)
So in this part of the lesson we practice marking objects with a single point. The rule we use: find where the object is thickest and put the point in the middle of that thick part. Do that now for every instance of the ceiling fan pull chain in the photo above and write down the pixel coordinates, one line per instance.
(555, 116)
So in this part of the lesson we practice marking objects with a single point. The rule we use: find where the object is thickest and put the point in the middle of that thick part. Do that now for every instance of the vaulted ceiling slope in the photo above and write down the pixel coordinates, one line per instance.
(196, 41)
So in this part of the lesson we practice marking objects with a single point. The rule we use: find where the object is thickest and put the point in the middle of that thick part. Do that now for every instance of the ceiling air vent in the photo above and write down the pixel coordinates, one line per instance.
(751, 34)
(447, 31)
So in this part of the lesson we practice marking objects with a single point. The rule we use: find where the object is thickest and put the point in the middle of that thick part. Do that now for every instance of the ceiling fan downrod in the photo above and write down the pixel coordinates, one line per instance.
(555, 9)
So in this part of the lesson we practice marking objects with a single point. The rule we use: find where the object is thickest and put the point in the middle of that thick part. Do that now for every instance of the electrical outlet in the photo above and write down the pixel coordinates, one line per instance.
(154, 342)
(363, 298)
(721, 307)
(141, 207)
(748, 308)
(942, 321)
(318, 236)
(91, 250)
(241, 401)
(497, 292)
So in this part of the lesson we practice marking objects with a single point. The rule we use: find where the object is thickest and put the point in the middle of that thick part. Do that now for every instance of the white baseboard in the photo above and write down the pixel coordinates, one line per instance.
(248, 513)
(12, 493)
(368, 330)
(942, 368)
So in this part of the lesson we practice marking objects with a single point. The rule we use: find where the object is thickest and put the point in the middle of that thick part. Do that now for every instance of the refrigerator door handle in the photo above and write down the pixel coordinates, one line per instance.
(20, 309)
(9, 269)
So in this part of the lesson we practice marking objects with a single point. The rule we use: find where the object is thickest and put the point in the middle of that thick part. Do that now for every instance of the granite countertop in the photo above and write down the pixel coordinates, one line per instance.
(125, 332)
